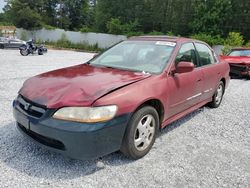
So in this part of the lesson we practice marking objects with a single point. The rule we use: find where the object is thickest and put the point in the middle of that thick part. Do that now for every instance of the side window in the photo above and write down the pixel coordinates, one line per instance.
(205, 54)
(187, 53)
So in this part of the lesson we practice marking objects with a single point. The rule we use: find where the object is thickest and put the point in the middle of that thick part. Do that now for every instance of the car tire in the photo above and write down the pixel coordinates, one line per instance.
(1, 46)
(141, 133)
(218, 96)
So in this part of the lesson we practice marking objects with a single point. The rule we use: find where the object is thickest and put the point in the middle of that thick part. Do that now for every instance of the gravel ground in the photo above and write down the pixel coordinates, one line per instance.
(208, 148)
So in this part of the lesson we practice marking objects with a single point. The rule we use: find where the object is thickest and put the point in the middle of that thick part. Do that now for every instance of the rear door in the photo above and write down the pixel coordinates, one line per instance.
(211, 69)
(185, 88)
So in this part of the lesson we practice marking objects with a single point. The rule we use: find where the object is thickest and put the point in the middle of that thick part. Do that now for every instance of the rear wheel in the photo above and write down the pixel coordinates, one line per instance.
(141, 133)
(218, 96)
(40, 52)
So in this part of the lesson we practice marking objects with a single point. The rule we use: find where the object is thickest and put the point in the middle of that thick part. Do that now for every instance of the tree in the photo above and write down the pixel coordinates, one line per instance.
(24, 13)
(212, 17)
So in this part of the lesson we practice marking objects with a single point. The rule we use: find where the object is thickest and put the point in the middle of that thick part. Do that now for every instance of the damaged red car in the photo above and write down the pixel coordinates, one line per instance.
(121, 98)
(239, 61)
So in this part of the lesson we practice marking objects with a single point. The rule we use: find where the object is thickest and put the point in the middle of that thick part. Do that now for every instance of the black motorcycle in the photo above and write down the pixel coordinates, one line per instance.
(31, 48)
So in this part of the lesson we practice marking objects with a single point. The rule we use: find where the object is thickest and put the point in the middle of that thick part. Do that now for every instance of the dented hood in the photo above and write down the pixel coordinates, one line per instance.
(243, 60)
(76, 86)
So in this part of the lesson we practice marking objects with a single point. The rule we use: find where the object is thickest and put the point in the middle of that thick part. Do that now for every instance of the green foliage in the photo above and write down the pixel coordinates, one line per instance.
(85, 29)
(48, 27)
(155, 33)
(248, 44)
(182, 17)
(116, 27)
(138, 33)
(210, 16)
(170, 33)
(1, 34)
(210, 39)
(6, 24)
(25, 14)
(233, 40)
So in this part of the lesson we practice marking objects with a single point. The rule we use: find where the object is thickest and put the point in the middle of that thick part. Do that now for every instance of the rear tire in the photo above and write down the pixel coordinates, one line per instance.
(40, 52)
(141, 133)
(218, 96)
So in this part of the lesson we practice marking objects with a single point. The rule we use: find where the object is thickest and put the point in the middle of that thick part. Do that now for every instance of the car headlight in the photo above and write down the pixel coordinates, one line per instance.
(86, 114)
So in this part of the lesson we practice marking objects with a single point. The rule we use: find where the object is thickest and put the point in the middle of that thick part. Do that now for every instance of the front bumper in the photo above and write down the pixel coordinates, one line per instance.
(239, 70)
(75, 140)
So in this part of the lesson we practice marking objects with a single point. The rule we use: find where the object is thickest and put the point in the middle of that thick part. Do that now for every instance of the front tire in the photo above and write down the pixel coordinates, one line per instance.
(218, 96)
(141, 133)
(24, 52)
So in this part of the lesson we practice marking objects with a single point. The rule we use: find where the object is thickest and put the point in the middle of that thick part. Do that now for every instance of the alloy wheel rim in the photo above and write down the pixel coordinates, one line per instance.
(144, 133)
(219, 94)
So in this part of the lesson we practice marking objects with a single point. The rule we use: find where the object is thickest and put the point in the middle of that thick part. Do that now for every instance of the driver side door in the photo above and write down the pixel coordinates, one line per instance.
(185, 89)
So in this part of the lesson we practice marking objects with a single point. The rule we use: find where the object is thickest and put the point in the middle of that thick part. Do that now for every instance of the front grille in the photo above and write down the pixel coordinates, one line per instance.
(43, 139)
(30, 107)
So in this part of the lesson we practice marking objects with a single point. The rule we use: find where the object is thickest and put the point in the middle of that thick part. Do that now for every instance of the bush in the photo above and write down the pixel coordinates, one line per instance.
(248, 44)
(233, 40)
(85, 29)
(131, 34)
(115, 26)
(170, 33)
(211, 40)
(49, 27)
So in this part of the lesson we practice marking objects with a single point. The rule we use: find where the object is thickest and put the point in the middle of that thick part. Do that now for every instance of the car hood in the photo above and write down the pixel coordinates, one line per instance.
(80, 85)
(243, 60)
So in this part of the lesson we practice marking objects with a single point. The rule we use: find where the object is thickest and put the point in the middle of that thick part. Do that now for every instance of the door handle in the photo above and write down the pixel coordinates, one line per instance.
(199, 80)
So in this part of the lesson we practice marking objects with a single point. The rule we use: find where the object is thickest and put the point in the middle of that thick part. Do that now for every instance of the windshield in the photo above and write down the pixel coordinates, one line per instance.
(143, 56)
(240, 53)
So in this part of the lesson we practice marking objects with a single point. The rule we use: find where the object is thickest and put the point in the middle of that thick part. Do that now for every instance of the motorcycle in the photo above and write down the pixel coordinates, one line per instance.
(31, 48)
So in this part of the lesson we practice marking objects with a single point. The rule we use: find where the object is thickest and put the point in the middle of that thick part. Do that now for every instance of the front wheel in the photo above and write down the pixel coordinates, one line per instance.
(141, 133)
(218, 96)
(24, 52)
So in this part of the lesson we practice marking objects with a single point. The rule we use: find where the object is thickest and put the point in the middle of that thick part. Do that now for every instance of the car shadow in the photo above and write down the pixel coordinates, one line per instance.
(21, 154)
(180, 121)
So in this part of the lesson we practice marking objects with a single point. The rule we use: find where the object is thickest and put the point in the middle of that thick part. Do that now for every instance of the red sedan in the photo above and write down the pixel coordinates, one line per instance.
(239, 61)
(120, 99)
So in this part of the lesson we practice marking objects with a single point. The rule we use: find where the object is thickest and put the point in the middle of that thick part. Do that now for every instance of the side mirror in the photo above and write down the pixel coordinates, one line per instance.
(184, 67)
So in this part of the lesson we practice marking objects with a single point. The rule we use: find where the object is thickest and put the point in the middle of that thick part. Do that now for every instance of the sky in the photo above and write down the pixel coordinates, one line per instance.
(2, 4)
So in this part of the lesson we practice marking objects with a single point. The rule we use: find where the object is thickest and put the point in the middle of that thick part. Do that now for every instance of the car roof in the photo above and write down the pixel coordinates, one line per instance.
(163, 38)
(241, 48)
